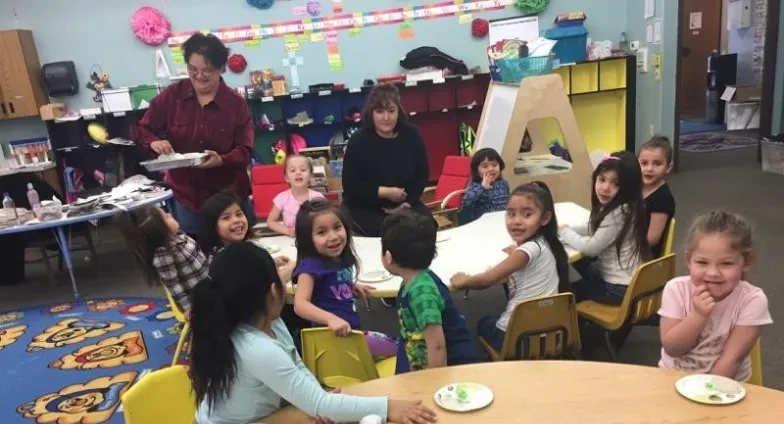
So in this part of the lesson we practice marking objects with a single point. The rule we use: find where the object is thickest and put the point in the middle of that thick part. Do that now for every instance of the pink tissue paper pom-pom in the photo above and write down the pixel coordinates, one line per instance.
(150, 26)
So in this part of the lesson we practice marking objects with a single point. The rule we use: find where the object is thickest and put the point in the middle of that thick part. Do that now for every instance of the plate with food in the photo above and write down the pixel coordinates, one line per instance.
(710, 389)
(377, 276)
(175, 160)
(463, 397)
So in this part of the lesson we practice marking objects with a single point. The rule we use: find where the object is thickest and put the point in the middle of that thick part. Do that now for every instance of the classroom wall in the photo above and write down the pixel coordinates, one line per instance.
(99, 33)
(741, 42)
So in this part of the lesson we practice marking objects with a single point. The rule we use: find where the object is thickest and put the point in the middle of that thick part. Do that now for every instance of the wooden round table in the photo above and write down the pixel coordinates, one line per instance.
(566, 392)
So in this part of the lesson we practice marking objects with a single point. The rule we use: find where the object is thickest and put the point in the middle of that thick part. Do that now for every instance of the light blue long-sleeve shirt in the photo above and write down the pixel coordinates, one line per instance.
(269, 371)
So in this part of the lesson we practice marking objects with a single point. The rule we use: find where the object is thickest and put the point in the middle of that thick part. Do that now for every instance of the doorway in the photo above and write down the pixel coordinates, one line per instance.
(701, 34)
(703, 122)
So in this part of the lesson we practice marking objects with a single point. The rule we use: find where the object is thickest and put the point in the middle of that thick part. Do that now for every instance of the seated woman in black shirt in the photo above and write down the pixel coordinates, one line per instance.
(385, 168)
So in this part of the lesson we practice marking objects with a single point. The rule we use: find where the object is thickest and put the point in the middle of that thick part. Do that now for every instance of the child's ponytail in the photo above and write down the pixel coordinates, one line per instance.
(213, 365)
(144, 230)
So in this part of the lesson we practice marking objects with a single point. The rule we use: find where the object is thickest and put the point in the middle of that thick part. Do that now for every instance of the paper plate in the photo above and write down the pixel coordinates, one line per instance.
(463, 397)
(441, 237)
(375, 276)
(710, 389)
(271, 249)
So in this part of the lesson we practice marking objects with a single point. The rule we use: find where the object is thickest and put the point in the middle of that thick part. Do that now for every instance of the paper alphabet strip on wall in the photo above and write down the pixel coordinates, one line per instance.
(345, 21)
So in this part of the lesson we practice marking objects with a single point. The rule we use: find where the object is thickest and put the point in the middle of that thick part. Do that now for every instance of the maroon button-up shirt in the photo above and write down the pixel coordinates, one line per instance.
(223, 125)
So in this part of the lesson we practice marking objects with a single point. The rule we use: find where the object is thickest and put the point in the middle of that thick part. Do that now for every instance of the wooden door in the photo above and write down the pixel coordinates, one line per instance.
(701, 31)
(20, 74)
(3, 108)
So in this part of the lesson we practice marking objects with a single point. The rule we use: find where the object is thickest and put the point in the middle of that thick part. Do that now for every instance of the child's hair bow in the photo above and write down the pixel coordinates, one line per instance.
(609, 157)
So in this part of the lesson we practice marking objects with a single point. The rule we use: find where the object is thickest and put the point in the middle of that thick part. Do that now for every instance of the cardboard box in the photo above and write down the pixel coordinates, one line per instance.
(742, 93)
(52, 111)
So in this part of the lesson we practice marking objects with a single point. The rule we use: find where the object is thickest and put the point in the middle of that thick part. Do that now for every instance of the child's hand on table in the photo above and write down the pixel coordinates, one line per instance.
(290, 231)
(408, 412)
(459, 280)
(363, 290)
(339, 326)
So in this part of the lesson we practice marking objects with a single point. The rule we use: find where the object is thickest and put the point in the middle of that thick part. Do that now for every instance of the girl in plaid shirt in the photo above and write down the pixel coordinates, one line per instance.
(488, 191)
(165, 255)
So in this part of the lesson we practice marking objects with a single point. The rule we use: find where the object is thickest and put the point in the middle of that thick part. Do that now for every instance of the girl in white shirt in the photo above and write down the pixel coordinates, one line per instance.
(537, 264)
(614, 240)
(243, 360)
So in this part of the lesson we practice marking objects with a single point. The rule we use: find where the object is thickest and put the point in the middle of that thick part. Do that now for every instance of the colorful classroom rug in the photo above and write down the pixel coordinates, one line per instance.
(714, 142)
(691, 127)
(69, 363)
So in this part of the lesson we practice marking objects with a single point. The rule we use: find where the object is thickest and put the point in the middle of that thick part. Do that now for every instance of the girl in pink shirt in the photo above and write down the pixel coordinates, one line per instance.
(711, 319)
(286, 204)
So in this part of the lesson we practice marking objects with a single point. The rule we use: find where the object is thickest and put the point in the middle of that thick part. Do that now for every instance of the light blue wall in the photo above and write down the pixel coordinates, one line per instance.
(98, 32)
(655, 99)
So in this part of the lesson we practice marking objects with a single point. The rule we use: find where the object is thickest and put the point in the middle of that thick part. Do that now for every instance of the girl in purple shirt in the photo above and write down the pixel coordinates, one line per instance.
(324, 279)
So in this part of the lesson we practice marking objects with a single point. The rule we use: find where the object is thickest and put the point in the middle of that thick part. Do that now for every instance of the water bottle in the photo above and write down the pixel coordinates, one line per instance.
(623, 43)
(35, 202)
(8, 203)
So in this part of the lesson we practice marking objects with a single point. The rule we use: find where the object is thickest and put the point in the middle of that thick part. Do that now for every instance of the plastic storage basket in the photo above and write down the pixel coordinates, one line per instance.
(571, 43)
(514, 70)
(773, 154)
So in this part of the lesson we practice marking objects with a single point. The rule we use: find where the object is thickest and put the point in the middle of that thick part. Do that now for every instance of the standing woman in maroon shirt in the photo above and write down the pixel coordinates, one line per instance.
(201, 114)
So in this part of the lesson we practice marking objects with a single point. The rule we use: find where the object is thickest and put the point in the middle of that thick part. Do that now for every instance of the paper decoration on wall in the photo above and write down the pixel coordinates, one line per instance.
(337, 6)
(292, 62)
(177, 56)
(406, 31)
(314, 8)
(333, 52)
(349, 20)
(150, 26)
(532, 6)
(161, 67)
(464, 18)
(299, 10)
(237, 63)
(479, 28)
(261, 4)
(253, 44)
(290, 43)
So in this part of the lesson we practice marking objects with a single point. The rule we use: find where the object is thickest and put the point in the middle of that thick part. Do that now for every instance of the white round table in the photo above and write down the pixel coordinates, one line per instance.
(470, 248)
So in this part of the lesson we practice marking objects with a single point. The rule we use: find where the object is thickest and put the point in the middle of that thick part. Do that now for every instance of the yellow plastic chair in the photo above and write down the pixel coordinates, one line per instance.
(163, 396)
(541, 328)
(669, 238)
(641, 302)
(186, 326)
(756, 364)
(341, 361)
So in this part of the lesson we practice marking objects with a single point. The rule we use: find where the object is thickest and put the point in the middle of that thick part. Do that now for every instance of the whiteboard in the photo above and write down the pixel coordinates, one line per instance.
(499, 105)
(524, 28)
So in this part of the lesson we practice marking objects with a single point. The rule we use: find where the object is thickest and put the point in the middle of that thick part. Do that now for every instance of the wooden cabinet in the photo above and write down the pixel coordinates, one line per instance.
(21, 88)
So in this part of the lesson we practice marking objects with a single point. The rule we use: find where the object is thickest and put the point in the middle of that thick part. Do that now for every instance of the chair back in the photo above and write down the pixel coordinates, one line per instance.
(542, 328)
(162, 396)
(756, 364)
(178, 314)
(644, 295)
(454, 176)
(669, 238)
(337, 361)
(266, 182)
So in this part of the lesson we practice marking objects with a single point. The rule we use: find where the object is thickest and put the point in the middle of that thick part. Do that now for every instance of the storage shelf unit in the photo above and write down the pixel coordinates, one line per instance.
(602, 94)
(603, 97)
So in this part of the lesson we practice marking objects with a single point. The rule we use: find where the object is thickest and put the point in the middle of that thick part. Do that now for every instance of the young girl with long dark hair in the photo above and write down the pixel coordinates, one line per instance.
(244, 363)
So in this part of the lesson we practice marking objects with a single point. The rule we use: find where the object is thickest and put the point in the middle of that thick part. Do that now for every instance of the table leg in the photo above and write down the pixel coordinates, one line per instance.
(65, 250)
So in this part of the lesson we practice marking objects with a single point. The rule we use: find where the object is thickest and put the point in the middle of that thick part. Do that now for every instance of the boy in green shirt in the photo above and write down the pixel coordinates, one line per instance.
(433, 332)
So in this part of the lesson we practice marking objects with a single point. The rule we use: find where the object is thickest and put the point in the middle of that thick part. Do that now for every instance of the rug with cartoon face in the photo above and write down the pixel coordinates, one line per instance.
(70, 363)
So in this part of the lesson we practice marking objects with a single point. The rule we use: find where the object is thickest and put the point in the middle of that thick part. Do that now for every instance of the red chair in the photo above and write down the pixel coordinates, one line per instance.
(448, 193)
(266, 182)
